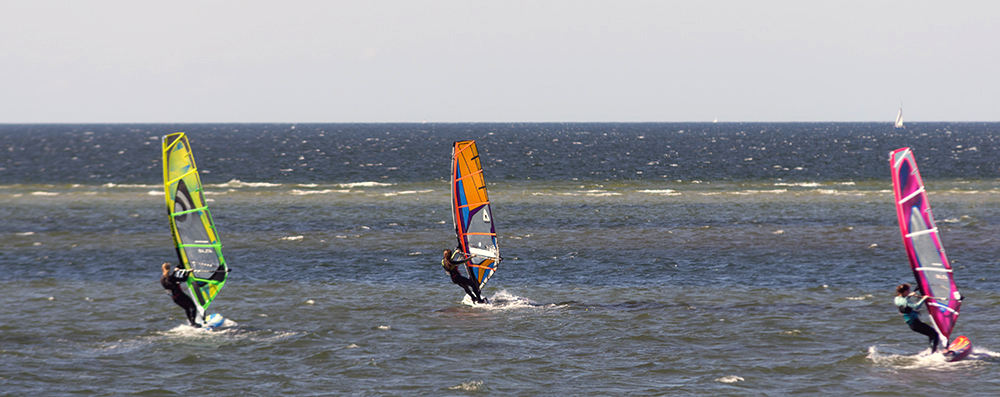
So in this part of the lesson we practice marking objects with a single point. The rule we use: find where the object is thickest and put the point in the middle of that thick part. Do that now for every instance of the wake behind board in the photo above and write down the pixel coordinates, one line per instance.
(213, 321)
(958, 349)
(467, 300)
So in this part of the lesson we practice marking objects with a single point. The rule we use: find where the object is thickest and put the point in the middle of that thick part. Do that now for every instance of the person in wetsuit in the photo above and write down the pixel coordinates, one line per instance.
(450, 262)
(908, 306)
(171, 282)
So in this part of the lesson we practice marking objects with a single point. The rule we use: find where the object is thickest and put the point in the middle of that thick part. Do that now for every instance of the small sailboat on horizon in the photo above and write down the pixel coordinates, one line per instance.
(899, 118)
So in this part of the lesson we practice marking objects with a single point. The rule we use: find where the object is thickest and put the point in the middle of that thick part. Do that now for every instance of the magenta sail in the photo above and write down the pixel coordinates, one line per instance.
(923, 244)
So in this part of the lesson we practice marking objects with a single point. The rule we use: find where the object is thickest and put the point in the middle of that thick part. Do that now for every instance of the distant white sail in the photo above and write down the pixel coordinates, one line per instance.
(899, 118)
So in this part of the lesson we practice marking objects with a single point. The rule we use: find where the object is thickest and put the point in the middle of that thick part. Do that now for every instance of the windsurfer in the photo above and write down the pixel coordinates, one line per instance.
(905, 302)
(450, 262)
(171, 282)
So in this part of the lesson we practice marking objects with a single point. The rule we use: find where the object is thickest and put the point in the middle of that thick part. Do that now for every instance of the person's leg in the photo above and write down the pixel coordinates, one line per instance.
(478, 297)
(470, 288)
(925, 329)
(474, 285)
(468, 292)
(190, 310)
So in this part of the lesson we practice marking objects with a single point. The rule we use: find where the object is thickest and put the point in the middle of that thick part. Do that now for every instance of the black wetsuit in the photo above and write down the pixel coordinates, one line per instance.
(471, 287)
(171, 283)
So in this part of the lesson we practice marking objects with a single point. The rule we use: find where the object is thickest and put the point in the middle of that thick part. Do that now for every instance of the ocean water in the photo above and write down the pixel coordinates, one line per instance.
(640, 259)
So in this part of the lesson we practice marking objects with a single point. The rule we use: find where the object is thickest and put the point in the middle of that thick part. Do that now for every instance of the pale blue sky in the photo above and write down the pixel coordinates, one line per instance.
(498, 61)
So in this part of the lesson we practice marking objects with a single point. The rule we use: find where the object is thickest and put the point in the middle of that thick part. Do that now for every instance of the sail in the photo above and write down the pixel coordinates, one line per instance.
(923, 244)
(195, 237)
(477, 237)
(899, 118)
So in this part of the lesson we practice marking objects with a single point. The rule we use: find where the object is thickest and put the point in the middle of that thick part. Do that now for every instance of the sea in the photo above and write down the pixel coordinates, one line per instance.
(639, 259)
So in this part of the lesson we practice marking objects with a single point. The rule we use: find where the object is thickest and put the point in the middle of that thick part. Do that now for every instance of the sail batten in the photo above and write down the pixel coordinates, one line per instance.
(195, 239)
(922, 232)
(472, 214)
(934, 275)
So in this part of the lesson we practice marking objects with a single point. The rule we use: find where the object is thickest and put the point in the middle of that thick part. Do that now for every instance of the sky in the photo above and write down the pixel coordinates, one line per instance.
(497, 61)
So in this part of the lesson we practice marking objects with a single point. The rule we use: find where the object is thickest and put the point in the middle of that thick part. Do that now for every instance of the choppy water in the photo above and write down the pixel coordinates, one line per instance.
(640, 259)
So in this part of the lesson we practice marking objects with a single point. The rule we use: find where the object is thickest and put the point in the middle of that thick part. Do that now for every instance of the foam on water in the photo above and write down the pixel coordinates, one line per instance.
(238, 183)
(729, 379)
(469, 386)
(128, 185)
(390, 194)
(925, 360)
(297, 192)
(364, 184)
(748, 192)
(504, 301)
(664, 192)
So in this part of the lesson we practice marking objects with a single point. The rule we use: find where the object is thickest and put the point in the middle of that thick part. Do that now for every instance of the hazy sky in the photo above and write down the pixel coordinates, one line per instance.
(458, 61)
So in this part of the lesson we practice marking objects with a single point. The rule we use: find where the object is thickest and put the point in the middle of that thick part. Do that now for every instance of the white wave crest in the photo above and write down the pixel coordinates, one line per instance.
(364, 184)
(292, 238)
(749, 192)
(44, 194)
(155, 193)
(407, 192)
(662, 192)
(297, 192)
(800, 184)
(730, 379)
(239, 183)
(126, 185)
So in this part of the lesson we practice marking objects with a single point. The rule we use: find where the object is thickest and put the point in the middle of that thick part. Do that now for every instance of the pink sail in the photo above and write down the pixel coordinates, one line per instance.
(923, 244)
